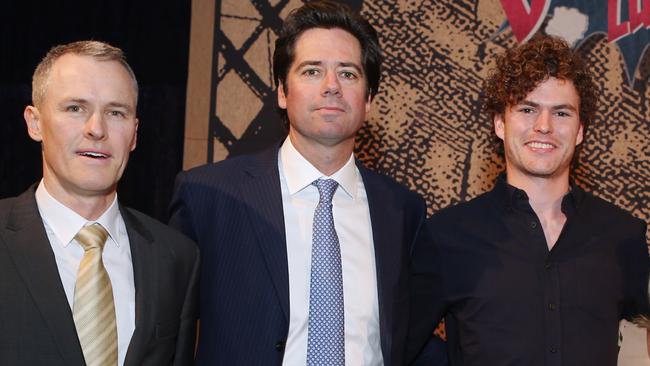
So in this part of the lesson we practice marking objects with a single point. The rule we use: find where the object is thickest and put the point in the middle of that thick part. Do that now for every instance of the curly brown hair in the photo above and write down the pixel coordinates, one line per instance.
(521, 69)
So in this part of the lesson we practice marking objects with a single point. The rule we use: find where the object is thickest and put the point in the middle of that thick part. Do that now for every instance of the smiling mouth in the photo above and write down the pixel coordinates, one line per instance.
(93, 154)
(540, 145)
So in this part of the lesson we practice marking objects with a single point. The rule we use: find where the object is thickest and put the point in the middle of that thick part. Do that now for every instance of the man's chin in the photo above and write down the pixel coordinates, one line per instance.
(95, 187)
(546, 173)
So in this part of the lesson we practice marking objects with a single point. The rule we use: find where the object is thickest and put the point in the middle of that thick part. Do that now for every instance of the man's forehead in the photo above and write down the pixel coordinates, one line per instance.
(77, 73)
(325, 42)
(549, 91)
(73, 62)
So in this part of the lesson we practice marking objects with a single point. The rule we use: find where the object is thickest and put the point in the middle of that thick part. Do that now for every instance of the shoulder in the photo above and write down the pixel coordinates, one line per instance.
(606, 214)
(23, 205)
(230, 170)
(158, 232)
(5, 206)
(474, 210)
(218, 169)
(399, 191)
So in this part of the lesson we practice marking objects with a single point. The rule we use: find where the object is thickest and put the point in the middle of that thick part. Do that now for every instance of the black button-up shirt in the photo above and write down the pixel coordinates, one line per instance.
(508, 300)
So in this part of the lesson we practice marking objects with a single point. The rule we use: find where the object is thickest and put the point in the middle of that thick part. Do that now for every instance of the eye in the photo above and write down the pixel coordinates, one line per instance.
(73, 108)
(526, 110)
(116, 113)
(348, 75)
(563, 114)
(311, 72)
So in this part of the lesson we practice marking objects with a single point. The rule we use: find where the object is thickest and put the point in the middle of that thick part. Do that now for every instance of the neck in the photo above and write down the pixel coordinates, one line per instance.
(90, 207)
(545, 194)
(327, 159)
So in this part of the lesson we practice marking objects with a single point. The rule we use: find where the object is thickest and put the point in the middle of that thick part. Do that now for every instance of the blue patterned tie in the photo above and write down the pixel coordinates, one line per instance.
(326, 336)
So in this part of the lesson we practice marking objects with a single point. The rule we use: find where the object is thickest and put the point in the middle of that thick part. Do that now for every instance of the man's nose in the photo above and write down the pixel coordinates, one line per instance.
(331, 85)
(95, 127)
(543, 123)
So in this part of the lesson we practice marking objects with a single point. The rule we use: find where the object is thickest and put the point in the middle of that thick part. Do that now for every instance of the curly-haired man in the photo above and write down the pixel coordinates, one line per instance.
(536, 271)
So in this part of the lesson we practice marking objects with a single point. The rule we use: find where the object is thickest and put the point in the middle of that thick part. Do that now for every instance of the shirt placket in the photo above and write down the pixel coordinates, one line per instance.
(550, 275)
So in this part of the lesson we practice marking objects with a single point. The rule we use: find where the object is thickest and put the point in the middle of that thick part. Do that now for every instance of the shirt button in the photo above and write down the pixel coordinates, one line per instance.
(553, 350)
(548, 266)
(551, 306)
(533, 224)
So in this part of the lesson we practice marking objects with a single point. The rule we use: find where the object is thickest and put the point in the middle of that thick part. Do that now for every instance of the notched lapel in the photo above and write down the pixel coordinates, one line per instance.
(262, 196)
(145, 267)
(29, 247)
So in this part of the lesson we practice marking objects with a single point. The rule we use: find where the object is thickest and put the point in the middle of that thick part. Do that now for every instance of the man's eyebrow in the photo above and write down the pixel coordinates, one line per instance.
(529, 103)
(353, 65)
(554, 107)
(128, 107)
(76, 100)
(565, 106)
(125, 106)
(309, 63)
(320, 63)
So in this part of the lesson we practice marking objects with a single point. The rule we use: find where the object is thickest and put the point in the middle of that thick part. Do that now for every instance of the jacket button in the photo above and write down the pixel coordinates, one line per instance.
(279, 346)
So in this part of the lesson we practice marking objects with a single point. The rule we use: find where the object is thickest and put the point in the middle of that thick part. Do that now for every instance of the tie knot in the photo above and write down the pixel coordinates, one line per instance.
(92, 236)
(326, 189)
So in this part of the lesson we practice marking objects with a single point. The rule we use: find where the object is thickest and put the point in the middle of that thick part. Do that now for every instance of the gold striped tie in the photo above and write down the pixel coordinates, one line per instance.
(93, 309)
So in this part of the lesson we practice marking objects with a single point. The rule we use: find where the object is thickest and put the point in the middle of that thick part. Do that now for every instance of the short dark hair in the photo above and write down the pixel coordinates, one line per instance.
(327, 14)
(521, 69)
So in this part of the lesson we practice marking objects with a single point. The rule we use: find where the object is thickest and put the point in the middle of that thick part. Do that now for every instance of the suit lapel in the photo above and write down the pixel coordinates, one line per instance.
(30, 249)
(144, 273)
(262, 196)
(386, 221)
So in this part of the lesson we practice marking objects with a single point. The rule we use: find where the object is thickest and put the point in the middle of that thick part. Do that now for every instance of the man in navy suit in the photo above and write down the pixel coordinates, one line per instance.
(253, 216)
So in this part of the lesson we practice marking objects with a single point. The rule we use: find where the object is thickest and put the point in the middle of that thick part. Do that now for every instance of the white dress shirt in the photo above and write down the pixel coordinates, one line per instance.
(352, 223)
(61, 225)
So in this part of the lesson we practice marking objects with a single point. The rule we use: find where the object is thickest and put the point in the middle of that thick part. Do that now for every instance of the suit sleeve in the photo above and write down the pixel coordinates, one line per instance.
(185, 344)
(427, 295)
(635, 255)
(180, 217)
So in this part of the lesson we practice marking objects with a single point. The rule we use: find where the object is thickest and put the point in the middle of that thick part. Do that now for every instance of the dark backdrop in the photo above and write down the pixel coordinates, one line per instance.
(155, 38)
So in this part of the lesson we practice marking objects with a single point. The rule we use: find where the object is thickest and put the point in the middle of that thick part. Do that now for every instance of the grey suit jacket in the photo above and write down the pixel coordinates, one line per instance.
(36, 325)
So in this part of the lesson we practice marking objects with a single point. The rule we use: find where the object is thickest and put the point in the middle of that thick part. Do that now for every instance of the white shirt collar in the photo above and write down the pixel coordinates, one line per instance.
(300, 173)
(65, 223)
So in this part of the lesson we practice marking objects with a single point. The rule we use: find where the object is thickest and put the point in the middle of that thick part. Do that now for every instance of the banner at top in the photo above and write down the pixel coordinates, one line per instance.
(625, 22)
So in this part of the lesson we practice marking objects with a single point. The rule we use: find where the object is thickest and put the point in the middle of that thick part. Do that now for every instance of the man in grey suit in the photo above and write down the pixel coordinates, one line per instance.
(84, 280)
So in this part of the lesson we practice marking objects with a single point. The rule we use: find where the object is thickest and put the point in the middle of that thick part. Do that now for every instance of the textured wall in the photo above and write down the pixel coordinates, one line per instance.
(426, 128)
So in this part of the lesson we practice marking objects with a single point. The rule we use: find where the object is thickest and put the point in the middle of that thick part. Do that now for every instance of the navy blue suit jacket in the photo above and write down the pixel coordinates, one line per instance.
(233, 210)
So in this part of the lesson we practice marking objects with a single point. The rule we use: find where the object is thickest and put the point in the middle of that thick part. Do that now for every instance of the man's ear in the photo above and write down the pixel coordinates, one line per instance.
(499, 125)
(282, 96)
(33, 121)
(368, 103)
(580, 135)
(135, 135)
